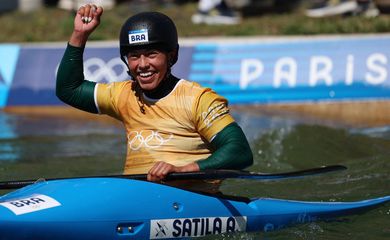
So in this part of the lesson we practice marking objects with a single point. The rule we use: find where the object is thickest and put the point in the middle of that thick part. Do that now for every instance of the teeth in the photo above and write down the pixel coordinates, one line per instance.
(147, 74)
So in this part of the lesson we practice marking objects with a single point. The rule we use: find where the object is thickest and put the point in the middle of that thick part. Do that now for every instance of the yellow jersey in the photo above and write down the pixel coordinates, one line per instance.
(176, 128)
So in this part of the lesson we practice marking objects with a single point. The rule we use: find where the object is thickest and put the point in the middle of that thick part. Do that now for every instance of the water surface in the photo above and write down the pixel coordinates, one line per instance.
(47, 147)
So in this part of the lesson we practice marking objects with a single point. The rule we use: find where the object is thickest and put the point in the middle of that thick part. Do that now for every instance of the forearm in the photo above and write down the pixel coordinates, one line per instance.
(71, 87)
(78, 39)
(232, 150)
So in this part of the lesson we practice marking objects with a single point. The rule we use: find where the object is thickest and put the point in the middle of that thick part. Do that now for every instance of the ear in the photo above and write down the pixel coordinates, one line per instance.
(172, 58)
(127, 65)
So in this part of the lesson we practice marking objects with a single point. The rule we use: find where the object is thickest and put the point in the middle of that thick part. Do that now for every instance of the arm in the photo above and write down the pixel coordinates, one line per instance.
(232, 150)
(71, 87)
(230, 147)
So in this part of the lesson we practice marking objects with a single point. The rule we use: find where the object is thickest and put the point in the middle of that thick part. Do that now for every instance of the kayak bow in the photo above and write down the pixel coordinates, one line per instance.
(112, 208)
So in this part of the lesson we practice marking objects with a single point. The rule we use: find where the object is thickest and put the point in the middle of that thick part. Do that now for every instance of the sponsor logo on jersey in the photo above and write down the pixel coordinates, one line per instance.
(138, 36)
(214, 112)
(195, 227)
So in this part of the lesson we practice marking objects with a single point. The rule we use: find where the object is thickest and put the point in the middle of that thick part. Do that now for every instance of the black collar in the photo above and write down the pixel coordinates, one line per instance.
(164, 88)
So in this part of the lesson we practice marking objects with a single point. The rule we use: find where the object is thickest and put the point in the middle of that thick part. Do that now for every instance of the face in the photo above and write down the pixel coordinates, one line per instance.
(148, 67)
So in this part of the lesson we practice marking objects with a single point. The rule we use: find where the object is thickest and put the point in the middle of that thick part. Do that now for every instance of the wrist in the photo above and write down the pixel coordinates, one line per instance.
(191, 167)
(78, 39)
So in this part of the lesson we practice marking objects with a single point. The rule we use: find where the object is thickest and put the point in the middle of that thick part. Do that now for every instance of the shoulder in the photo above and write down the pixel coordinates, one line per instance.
(200, 95)
(193, 88)
(114, 87)
(109, 94)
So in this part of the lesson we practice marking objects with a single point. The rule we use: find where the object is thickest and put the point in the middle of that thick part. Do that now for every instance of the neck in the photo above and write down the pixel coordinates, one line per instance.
(166, 86)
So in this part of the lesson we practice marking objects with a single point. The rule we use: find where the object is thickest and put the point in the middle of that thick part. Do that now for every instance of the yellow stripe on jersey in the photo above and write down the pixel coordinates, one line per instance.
(175, 129)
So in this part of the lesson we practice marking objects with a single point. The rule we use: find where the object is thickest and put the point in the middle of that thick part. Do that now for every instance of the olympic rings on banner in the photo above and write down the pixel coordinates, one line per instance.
(98, 70)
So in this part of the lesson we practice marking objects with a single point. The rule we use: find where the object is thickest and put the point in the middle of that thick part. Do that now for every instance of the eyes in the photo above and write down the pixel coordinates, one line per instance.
(146, 53)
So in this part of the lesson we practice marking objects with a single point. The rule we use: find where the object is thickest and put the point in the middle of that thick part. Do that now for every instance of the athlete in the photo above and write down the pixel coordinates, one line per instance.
(172, 124)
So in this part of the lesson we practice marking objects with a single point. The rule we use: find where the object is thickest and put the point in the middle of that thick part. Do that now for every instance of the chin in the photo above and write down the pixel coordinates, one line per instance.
(147, 87)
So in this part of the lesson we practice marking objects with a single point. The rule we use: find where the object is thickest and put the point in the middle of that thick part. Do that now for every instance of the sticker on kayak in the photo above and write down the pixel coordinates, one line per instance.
(30, 204)
(195, 227)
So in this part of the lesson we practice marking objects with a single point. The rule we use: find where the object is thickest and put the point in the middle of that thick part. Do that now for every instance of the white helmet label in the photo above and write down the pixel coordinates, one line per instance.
(138, 36)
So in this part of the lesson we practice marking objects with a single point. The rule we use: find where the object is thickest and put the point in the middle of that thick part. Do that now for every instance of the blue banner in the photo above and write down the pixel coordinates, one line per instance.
(295, 70)
(262, 71)
(9, 54)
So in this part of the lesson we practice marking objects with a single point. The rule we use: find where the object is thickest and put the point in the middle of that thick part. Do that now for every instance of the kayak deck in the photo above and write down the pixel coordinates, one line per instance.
(112, 208)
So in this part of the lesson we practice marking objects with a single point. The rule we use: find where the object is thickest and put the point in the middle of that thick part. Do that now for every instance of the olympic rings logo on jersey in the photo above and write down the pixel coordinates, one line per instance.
(147, 139)
(98, 70)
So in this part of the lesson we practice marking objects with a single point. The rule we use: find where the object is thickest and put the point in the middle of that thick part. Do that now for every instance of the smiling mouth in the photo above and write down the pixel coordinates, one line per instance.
(146, 77)
(145, 74)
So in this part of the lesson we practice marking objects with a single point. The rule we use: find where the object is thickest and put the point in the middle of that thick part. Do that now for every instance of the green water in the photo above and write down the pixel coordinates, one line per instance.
(36, 147)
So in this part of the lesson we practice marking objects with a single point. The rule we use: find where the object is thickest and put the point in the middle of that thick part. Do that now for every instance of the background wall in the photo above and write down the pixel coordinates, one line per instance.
(245, 70)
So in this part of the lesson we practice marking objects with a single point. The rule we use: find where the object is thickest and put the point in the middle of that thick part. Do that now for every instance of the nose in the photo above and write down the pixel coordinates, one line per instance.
(143, 62)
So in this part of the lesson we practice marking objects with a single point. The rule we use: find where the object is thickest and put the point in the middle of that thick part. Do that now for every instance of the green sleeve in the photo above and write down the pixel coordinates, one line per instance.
(71, 87)
(232, 150)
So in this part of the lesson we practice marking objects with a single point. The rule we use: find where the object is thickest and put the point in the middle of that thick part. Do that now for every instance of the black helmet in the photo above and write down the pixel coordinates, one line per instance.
(148, 29)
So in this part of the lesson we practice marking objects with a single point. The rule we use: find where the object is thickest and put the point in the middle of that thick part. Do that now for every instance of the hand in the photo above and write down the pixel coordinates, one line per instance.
(85, 22)
(161, 169)
(87, 18)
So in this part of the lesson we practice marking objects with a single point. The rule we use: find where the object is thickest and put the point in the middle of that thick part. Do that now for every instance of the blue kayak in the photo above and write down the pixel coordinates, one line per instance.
(113, 208)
